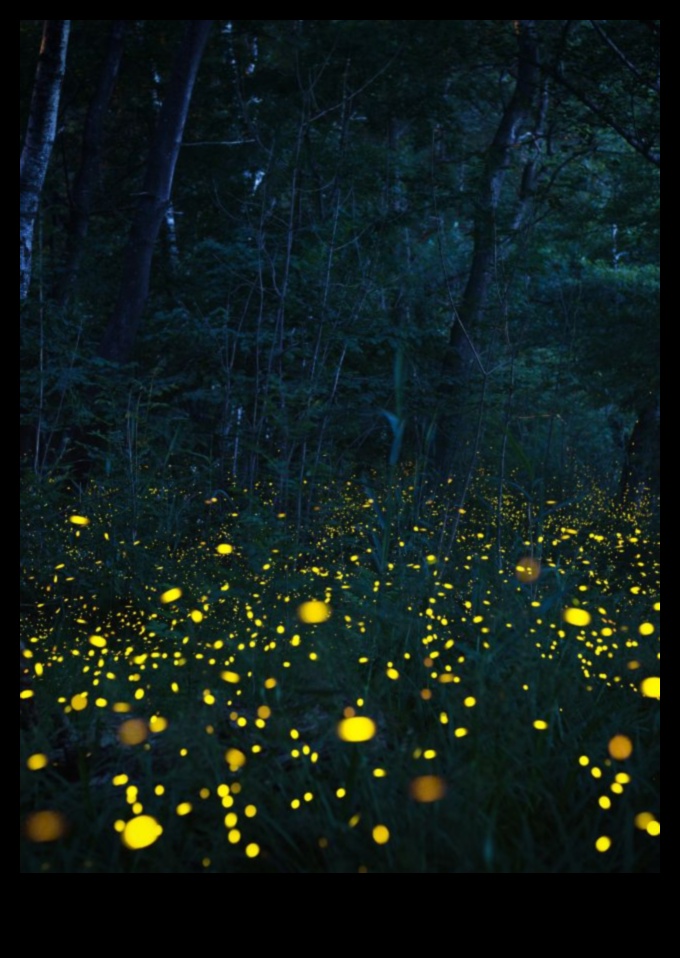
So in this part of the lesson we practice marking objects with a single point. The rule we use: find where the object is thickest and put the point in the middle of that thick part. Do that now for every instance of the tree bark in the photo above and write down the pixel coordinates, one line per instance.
(119, 337)
(518, 111)
(40, 135)
(85, 181)
(640, 472)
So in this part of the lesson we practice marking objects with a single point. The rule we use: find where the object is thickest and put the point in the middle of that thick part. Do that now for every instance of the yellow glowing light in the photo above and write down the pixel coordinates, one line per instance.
(646, 629)
(604, 802)
(46, 826)
(651, 687)
(171, 595)
(427, 788)
(461, 732)
(140, 832)
(381, 834)
(252, 850)
(654, 829)
(235, 759)
(620, 747)
(232, 677)
(196, 615)
(133, 732)
(357, 729)
(528, 569)
(157, 723)
(643, 819)
(603, 844)
(37, 761)
(98, 641)
(392, 674)
(313, 612)
(470, 702)
(576, 617)
(224, 549)
(79, 702)
(79, 520)
(540, 725)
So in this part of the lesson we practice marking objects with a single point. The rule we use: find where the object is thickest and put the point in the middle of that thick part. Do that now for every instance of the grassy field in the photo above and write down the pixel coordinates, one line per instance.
(397, 684)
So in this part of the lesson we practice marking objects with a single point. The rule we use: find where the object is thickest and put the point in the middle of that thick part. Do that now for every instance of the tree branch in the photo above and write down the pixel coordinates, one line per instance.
(622, 56)
(640, 146)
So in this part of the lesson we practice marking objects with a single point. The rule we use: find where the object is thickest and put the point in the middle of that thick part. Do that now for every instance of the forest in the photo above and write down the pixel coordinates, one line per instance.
(339, 446)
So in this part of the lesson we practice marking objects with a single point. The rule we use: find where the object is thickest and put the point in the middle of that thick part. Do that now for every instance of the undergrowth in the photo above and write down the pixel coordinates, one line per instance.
(187, 666)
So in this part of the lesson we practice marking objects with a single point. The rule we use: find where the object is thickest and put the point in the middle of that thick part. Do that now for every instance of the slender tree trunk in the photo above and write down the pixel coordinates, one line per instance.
(640, 472)
(519, 110)
(40, 136)
(85, 181)
(118, 341)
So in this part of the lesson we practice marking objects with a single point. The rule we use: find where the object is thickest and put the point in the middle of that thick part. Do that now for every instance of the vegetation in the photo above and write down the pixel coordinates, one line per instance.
(340, 514)
(190, 695)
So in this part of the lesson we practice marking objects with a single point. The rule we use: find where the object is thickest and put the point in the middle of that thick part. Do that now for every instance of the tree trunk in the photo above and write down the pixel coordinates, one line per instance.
(85, 181)
(40, 135)
(118, 341)
(641, 469)
(520, 109)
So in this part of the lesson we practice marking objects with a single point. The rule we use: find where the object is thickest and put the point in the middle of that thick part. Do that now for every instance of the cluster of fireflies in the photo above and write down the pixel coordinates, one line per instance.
(231, 645)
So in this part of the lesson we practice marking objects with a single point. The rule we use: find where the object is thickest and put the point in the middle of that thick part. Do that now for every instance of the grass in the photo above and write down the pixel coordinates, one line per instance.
(182, 702)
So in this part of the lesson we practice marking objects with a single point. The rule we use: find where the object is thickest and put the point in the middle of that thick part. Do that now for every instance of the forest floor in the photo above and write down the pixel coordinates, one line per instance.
(391, 686)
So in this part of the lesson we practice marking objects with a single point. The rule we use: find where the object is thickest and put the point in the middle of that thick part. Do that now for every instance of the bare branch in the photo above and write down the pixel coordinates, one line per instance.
(219, 143)
(640, 146)
(618, 52)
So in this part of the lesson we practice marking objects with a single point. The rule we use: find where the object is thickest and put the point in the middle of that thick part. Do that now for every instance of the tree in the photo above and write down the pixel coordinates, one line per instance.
(82, 193)
(39, 139)
(516, 120)
(383, 224)
(612, 68)
(121, 331)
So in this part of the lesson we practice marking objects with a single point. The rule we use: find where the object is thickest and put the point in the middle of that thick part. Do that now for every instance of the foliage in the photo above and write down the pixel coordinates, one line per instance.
(290, 395)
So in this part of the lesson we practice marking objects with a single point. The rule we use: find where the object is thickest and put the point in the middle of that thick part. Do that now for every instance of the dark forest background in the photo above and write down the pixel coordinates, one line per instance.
(432, 241)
